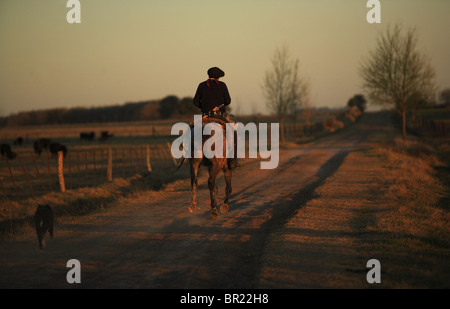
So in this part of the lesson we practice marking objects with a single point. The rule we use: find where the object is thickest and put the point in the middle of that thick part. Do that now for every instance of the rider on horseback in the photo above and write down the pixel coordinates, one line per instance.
(212, 97)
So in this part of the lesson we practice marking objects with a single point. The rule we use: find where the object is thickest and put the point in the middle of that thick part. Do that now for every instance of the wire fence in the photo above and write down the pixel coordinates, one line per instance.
(29, 175)
(435, 127)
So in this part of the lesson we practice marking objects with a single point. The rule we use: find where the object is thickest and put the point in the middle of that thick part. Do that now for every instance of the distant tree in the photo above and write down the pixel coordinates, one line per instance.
(149, 111)
(168, 106)
(19, 119)
(187, 107)
(357, 100)
(396, 73)
(55, 115)
(283, 87)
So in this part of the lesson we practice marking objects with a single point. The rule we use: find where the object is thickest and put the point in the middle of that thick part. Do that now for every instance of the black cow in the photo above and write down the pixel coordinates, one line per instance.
(41, 144)
(45, 142)
(18, 141)
(5, 149)
(57, 147)
(87, 136)
(105, 136)
(38, 147)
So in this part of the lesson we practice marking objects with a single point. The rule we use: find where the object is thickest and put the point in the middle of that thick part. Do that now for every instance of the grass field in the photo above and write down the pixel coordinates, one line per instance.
(416, 181)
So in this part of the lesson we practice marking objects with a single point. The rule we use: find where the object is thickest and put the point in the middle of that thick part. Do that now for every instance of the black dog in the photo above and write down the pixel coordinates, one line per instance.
(43, 220)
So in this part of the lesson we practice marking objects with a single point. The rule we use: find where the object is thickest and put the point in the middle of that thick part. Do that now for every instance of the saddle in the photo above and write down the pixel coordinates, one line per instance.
(210, 119)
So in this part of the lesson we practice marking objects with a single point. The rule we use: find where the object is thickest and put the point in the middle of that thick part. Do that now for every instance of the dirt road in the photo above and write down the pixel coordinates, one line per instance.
(297, 226)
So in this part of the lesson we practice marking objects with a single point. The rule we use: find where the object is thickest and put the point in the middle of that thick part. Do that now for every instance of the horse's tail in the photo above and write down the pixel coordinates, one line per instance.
(181, 163)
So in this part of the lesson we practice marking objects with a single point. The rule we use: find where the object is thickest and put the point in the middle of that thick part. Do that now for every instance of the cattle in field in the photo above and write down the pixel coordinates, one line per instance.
(45, 142)
(37, 146)
(57, 147)
(41, 144)
(5, 149)
(87, 136)
(105, 135)
(18, 141)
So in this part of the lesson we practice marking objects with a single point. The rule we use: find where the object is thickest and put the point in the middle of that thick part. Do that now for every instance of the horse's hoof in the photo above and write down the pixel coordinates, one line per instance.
(224, 208)
(213, 213)
(192, 208)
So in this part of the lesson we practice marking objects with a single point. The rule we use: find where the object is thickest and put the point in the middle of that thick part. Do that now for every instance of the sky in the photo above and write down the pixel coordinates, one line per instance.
(136, 50)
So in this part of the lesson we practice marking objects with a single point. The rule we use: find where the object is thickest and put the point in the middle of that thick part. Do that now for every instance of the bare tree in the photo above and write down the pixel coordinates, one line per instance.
(396, 73)
(359, 101)
(283, 87)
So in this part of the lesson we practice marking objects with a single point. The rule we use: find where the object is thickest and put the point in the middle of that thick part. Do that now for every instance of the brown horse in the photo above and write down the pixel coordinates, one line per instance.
(215, 165)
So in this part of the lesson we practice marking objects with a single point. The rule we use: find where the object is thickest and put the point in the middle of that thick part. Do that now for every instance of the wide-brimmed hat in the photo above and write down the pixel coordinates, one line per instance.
(215, 72)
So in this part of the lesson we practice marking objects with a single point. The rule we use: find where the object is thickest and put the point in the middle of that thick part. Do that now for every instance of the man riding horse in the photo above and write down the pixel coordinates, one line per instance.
(212, 97)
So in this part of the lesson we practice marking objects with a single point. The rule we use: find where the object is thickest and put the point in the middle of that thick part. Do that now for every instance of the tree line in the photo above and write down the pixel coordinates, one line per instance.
(133, 111)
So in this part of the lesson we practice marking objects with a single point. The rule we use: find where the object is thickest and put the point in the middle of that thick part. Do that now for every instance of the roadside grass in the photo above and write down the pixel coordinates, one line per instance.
(416, 226)
(17, 216)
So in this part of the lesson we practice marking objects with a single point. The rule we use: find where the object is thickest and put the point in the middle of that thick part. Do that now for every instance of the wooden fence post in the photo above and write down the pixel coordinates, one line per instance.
(110, 163)
(78, 170)
(116, 164)
(123, 163)
(136, 155)
(95, 170)
(70, 172)
(142, 161)
(62, 185)
(149, 167)
(102, 162)
(86, 168)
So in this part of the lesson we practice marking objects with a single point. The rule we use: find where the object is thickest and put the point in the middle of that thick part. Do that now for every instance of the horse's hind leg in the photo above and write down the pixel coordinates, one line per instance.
(194, 182)
(213, 190)
(224, 206)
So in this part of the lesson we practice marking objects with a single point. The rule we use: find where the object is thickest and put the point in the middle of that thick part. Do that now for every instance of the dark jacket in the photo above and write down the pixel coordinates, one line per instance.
(212, 93)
